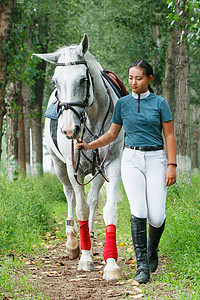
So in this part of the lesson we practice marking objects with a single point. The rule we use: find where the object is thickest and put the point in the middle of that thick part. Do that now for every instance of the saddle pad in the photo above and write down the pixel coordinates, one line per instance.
(52, 112)
(116, 83)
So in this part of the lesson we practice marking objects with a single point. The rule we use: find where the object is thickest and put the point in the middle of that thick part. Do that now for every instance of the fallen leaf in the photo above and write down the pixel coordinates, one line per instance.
(109, 291)
(120, 283)
(75, 279)
(130, 249)
(129, 262)
(47, 261)
(133, 282)
(60, 264)
(51, 273)
(30, 262)
(95, 279)
(81, 276)
(137, 289)
(139, 296)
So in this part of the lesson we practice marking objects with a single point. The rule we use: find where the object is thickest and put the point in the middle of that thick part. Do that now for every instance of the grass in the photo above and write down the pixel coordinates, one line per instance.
(26, 215)
(30, 207)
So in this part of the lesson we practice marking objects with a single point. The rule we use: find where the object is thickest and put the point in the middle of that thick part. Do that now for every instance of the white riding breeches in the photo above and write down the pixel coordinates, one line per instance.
(143, 176)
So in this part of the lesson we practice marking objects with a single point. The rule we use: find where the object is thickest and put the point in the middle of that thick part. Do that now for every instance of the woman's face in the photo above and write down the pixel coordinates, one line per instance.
(138, 81)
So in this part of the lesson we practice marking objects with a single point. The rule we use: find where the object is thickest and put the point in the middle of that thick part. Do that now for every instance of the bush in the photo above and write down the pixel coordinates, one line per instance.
(26, 210)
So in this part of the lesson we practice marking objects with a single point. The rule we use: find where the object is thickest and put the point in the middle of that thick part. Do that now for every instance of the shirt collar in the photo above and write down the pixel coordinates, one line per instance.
(142, 96)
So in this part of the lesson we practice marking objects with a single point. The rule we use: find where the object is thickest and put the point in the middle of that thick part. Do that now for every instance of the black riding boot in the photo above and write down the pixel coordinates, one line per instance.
(139, 237)
(153, 241)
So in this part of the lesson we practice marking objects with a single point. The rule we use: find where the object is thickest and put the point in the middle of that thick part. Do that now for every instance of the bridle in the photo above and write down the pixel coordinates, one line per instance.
(98, 166)
(70, 105)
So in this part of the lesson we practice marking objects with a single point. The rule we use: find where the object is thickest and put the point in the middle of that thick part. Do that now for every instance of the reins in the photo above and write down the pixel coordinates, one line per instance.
(98, 166)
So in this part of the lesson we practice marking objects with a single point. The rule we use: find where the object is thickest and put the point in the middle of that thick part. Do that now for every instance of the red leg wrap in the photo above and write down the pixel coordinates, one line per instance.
(85, 243)
(110, 249)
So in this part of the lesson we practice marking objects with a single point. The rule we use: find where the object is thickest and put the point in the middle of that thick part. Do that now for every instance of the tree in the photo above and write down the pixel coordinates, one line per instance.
(170, 74)
(177, 77)
(6, 8)
(11, 129)
(182, 65)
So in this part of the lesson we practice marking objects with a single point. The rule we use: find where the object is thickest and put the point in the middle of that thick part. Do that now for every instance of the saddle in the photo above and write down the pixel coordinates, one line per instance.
(116, 83)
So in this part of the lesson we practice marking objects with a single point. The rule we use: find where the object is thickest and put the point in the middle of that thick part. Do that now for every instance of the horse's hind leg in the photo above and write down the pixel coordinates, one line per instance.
(72, 245)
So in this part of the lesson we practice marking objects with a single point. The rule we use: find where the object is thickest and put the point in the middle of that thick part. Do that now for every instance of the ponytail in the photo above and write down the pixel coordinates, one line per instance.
(150, 89)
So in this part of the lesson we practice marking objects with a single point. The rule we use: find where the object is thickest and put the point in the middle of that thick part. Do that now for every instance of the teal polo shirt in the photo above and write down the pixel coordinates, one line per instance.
(142, 119)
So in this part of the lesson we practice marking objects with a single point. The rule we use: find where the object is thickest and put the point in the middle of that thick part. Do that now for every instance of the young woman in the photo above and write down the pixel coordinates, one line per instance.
(145, 171)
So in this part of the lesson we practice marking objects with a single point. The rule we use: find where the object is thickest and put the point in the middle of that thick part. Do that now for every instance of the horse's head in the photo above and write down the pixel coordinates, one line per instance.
(74, 85)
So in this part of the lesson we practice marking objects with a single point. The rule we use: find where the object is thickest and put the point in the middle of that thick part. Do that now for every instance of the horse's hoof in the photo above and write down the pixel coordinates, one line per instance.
(86, 266)
(72, 253)
(112, 274)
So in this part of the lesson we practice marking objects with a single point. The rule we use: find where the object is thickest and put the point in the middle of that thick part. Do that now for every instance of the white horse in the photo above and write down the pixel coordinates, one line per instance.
(84, 101)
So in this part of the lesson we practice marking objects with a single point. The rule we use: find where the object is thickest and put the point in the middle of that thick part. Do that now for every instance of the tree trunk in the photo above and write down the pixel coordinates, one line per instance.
(156, 61)
(37, 145)
(11, 130)
(182, 121)
(5, 24)
(170, 74)
(21, 139)
(196, 116)
(26, 92)
(36, 124)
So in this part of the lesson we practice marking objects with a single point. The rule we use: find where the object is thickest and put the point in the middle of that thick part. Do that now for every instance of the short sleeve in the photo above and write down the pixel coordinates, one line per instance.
(166, 114)
(116, 117)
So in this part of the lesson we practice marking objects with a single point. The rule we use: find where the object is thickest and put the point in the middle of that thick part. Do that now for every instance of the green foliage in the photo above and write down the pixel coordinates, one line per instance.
(26, 214)
(182, 238)
(17, 289)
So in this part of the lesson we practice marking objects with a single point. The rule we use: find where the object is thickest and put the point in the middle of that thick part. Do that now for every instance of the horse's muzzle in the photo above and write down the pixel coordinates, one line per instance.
(72, 134)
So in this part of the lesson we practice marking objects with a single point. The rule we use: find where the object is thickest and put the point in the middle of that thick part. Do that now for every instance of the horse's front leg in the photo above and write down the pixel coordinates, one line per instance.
(110, 213)
(93, 200)
(82, 212)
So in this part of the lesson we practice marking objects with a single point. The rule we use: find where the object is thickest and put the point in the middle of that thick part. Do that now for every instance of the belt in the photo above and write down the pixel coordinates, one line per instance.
(145, 148)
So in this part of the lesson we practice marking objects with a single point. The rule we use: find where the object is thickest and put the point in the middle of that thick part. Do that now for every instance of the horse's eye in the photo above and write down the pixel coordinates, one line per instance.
(83, 80)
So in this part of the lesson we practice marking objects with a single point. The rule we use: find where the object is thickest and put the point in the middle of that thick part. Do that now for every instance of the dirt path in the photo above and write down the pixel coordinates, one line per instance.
(56, 277)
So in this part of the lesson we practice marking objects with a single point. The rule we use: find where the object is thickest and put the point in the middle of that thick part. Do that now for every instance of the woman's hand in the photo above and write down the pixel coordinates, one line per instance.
(82, 145)
(170, 176)
(102, 141)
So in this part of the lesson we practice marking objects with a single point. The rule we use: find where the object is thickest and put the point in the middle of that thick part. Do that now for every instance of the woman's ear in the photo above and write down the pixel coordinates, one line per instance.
(150, 78)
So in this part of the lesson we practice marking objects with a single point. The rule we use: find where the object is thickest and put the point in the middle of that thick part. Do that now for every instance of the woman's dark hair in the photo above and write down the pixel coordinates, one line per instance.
(147, 68)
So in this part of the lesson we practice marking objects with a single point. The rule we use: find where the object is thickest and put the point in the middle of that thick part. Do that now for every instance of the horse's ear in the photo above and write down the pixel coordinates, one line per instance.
(84, 44)
(50, 57)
